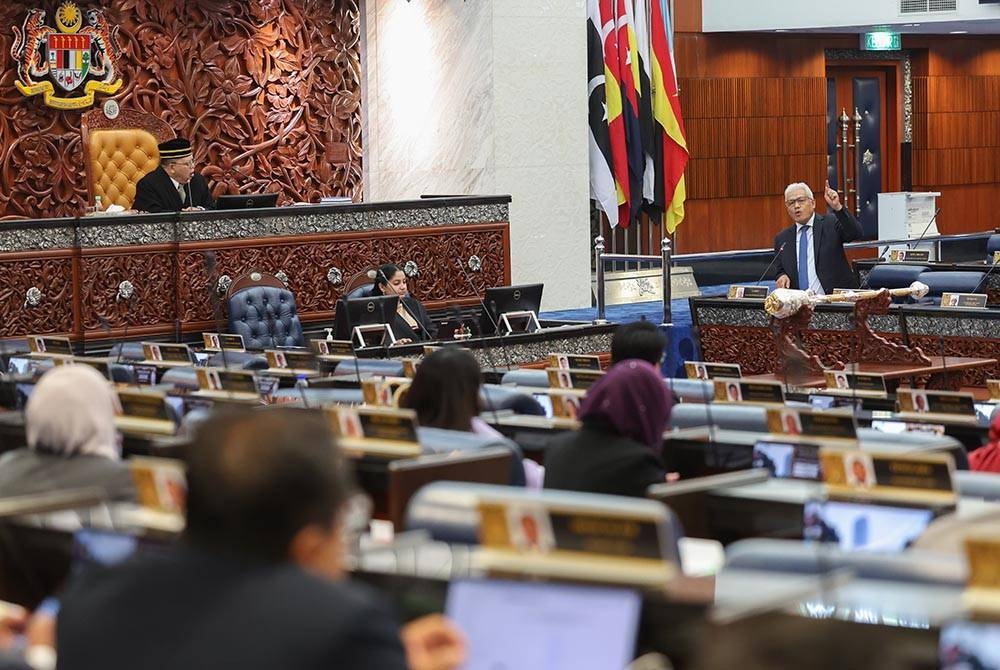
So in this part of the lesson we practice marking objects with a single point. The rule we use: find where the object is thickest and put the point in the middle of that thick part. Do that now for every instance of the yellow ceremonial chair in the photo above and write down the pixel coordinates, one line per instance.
(118, 152)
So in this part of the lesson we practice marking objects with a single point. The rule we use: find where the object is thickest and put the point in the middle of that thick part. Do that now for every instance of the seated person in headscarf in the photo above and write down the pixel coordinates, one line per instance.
(617, 449)
(174, 186)
(72, 440)
(410, 323)
(987, 457)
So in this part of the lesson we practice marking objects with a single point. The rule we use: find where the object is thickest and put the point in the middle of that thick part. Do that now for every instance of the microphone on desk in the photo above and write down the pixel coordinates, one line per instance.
(986, 276)
(913, 245)
(774, 258)
(490, 314)
(213, 299)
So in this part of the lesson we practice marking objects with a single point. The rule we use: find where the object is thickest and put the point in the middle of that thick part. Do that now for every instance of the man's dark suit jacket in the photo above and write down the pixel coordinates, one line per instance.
(187, 608)
(156, 193)
(829, 234)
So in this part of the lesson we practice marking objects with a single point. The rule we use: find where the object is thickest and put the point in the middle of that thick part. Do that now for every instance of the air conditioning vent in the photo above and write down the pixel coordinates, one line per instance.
(924, 6)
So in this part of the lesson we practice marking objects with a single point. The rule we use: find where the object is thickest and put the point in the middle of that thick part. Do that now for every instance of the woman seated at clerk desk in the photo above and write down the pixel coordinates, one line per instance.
(410, 323)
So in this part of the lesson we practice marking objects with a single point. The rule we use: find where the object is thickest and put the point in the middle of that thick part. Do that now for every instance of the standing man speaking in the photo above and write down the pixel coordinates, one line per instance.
(811, 252)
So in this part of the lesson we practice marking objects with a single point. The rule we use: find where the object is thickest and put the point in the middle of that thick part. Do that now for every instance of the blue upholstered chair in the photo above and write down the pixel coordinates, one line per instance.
(948, 282)
(992, 244)
(262, 310)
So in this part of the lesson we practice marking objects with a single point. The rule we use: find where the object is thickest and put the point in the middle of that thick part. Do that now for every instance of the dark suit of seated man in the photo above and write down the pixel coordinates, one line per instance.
(174, 185)
(256, 582)
(817, 241)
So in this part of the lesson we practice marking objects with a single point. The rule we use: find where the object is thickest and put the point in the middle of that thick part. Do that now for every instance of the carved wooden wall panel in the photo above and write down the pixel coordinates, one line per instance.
(975, 347)
(152, 278)
(52, 276)
(752, 348)
(268, 88)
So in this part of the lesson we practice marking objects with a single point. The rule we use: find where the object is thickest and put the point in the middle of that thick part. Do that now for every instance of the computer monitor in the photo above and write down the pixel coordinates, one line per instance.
(788, 460)
(857, 525)
(246, 201)
(541, 625)
(502, 299)
(363, 312)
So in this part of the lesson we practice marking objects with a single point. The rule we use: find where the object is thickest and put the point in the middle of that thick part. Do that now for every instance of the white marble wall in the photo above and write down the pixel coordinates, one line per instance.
(487, 97)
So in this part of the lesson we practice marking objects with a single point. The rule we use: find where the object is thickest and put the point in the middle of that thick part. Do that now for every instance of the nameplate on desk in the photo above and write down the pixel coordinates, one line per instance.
(283, 359)
(732, 390)
(996, 257)
(572, 379)
(712, 370)
(160, 483)
(856, 381)
(900, 255)
(384, 392)
(144, 405)
(102, 365)
(737, 292)
(220, 341)
(909, 476)
(566, 402)
(993, 386)
(410, 366)
(964, 300)
(332, 347)
(231, 381)
(936, 402)
(381, 430)
(789, 421)
(163, 352)
(575, 362)
(50, 346)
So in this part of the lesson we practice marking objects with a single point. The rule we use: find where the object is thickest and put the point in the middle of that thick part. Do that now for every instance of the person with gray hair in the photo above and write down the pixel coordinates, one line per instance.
(71, 436)
(810, 252)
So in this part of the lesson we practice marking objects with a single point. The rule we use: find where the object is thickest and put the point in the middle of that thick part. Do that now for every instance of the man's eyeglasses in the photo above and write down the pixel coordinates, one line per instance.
(798, 201)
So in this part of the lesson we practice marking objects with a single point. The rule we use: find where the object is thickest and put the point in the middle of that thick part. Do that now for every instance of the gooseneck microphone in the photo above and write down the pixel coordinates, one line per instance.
(913, 245)
(774, 259)
(213, 299)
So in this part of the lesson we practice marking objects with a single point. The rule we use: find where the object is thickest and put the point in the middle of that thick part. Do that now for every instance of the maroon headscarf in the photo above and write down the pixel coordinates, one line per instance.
(632, 401)
(987, 457)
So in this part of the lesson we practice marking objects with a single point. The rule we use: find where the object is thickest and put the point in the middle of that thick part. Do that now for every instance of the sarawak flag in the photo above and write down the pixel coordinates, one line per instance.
(669, 189)
(603, 188)
(615, 108)
(629, 71)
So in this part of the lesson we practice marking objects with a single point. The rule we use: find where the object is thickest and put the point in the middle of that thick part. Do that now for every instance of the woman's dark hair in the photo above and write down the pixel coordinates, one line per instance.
(445, 389)
(383, 276)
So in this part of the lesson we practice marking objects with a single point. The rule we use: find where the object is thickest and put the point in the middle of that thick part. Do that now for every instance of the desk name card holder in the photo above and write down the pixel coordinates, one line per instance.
(713, 370)
(384, 391)
(166, 352)
(161, 483)
(575, 362)
(572, 379)
(375, 431)
(737, 292)
(912, 478)
(44, 345)
(901, 255)
(963, 300)
(220, 341)
(566, 402)
(102, 365)
(519, 322)
(867, 382)
(830, 424)
(922, 401)
(736, 390)
(332, 348)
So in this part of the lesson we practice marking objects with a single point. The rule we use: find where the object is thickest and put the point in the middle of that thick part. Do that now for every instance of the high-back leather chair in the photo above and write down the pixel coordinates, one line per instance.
(118, 152)
(262, 310)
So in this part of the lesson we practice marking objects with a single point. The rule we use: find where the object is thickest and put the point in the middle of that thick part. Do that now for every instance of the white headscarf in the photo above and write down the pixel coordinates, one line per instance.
(72, 411)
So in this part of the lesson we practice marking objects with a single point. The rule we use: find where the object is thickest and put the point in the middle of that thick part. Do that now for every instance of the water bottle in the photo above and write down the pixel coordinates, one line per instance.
(97, 204)
(329, 334)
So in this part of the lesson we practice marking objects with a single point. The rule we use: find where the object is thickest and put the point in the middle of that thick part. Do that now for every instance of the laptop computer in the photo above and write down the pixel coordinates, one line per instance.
(544, 625)
(861, 525)
(247, 201)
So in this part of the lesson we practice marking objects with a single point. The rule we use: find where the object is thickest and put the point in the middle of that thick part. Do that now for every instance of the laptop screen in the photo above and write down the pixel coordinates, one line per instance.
(864, 526)
(542, 625)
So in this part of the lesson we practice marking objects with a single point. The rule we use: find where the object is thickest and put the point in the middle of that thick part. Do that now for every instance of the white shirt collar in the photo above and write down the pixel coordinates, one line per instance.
(808, 223)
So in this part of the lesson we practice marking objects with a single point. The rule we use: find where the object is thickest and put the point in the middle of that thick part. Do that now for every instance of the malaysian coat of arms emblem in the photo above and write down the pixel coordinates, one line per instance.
(69, 55)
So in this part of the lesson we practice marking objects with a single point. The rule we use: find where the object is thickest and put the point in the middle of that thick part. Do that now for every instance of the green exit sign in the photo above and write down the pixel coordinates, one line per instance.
(880, 41)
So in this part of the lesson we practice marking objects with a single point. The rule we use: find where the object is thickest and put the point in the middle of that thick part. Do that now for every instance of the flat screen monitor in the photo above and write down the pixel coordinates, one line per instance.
(788, 460)
(247, 201)
(363, 312)
(501, 299)
(542, 625)
(864, 526)
(545, 400)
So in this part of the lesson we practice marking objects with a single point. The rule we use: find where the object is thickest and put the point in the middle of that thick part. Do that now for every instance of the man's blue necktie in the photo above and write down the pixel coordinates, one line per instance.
(804, 258)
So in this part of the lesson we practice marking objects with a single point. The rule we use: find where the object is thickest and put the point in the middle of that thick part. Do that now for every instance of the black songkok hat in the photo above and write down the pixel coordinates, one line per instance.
(175, 148)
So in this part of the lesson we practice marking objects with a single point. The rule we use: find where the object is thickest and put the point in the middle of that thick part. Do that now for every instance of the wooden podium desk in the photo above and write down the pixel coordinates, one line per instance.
(944, 373)
(66, 276)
